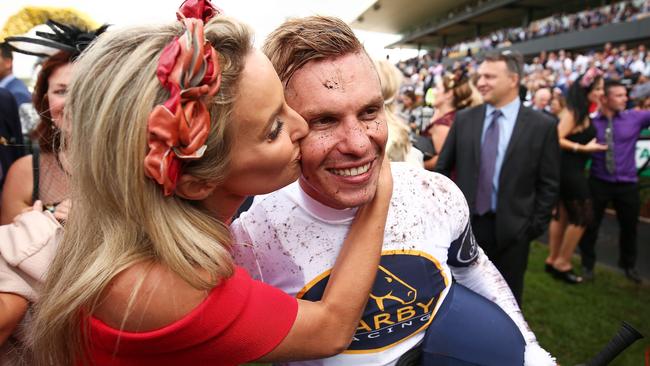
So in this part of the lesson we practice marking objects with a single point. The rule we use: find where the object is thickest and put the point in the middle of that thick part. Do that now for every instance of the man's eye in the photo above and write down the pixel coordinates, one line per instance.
(322, 121)
(276, 131)
(370, 114)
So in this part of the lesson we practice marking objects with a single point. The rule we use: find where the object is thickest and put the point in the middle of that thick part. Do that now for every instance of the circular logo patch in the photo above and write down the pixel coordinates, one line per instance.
(405, 294)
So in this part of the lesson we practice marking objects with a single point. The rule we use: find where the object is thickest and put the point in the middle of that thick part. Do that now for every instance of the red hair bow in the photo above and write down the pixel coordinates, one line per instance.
(198, 9)
(178, 129)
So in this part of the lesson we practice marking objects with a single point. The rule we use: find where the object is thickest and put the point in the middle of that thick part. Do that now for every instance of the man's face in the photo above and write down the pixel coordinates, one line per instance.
(495, 82)
(542, 98)
(340, 98)
(616, 98)
(5, 66)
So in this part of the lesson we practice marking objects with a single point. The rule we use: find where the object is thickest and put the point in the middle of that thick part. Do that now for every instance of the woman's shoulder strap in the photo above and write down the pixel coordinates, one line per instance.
(35, 169)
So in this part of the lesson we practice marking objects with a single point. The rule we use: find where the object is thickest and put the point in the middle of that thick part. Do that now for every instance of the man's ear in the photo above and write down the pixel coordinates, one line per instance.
(192, 188)
(515, 79)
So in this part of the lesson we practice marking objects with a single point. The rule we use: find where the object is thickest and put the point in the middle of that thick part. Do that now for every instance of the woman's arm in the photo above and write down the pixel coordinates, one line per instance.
(438, 136)
(325, 328)
(29, 243)
(12, 310)
(321, 329)
(17, 190)
(564, 128)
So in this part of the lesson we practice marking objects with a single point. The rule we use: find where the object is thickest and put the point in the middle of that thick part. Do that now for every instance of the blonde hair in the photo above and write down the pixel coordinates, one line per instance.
(119, 216)
(398, 144)
(298, 41)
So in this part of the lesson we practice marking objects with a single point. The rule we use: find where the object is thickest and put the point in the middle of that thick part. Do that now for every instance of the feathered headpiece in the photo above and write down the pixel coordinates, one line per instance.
(63, 37)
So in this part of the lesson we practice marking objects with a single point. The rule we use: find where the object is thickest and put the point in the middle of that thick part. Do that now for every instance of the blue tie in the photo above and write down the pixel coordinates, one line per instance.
(488, 163)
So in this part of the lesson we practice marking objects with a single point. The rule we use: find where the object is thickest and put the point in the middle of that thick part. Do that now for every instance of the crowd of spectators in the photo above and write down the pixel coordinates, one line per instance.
(549, 82)
(555, 71)
(558, 23)
(547, 78)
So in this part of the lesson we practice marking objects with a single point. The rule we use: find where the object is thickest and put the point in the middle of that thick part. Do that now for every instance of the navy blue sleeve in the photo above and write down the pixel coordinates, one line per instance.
(464, 250)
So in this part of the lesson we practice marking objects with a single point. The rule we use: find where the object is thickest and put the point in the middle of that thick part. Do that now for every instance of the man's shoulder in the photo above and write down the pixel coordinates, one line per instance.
(19, 90)
(635, 113)
(537, 118)
(17, 84)
(412, 182)
(271, 204)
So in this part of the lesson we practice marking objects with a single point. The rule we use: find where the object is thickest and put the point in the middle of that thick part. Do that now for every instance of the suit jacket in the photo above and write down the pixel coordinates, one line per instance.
(19, 91)
(11, 130)
(530, 174)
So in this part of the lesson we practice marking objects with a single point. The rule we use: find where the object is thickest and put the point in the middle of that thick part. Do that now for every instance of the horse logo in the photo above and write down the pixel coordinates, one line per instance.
(390, 287)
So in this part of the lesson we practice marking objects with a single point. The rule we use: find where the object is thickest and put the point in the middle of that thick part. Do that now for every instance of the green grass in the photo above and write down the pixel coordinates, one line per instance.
(574, 322)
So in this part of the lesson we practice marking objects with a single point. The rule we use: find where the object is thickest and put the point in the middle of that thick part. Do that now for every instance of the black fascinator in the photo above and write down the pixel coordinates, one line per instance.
(63, 37)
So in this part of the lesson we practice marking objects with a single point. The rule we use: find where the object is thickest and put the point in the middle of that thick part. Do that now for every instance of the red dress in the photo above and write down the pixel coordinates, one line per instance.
(446, 120)
(241, 320)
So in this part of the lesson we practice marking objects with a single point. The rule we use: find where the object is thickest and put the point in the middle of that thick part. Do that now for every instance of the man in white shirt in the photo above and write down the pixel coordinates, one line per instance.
(291, 238)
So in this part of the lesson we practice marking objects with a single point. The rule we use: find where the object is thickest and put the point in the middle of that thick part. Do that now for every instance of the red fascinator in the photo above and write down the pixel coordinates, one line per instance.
(189, 69)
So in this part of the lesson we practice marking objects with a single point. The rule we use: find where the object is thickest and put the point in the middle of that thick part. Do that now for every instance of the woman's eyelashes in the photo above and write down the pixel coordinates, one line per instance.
(276, 130)
(60, 91)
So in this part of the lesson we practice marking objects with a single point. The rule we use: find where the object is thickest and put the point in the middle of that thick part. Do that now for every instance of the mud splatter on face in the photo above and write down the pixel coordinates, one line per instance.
(333, 80)
(331, 84)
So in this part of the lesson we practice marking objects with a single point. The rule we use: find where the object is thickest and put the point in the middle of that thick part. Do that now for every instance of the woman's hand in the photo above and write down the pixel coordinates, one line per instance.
(38, 207)
(593, 146)
(62, 210)
(385, 182)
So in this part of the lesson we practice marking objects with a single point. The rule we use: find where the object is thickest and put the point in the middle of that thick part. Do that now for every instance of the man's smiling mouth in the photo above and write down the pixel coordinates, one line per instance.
(351, 172)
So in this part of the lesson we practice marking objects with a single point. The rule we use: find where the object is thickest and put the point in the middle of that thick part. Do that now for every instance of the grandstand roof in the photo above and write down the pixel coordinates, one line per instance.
(430, 24)
(397, 16)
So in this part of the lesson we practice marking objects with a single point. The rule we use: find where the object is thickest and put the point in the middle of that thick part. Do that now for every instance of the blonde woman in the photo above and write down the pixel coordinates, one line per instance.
(398, 147)
(172, 126)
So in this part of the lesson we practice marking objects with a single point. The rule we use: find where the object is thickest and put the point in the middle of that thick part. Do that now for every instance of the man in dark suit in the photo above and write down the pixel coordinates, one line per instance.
(8, 80)
(11, 138)
(506, 160)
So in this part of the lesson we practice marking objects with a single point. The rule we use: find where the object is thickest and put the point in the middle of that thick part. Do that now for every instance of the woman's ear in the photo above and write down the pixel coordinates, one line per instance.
(192, 188)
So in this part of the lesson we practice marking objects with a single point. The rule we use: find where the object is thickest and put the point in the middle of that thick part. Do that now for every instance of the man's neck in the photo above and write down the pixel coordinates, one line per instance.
(506, 100)
(608, 113)
(313, 194)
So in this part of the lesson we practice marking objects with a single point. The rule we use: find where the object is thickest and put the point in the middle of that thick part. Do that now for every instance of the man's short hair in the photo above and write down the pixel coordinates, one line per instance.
(514, 61)
(611, 83)
(300, 40)
(5, 51)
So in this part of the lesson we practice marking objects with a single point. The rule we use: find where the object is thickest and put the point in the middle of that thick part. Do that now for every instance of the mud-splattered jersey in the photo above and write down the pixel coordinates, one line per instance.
(289, 240)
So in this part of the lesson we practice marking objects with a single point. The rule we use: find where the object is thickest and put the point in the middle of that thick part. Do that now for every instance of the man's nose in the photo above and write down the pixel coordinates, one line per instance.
(297, 126)
(354, 138)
